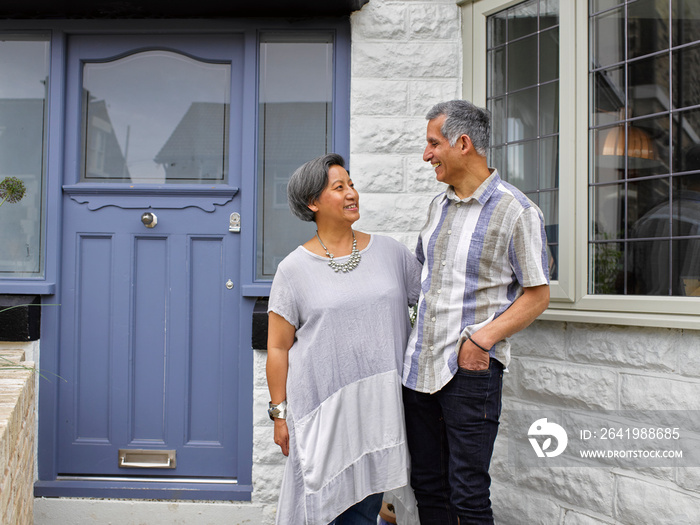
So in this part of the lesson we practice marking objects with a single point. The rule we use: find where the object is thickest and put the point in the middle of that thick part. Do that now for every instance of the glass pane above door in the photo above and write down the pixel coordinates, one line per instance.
(155, 117)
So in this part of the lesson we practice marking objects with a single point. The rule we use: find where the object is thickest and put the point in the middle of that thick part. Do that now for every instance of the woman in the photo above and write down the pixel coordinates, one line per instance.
(338, 325)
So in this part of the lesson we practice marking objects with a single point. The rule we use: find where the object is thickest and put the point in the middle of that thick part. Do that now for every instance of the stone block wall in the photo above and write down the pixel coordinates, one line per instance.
(17, 435)
(268, 461)
(406, 57)
(571, 369)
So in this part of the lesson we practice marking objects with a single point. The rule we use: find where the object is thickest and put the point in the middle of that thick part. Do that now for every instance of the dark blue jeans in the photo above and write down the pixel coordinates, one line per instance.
(364, 512)
(450, 438)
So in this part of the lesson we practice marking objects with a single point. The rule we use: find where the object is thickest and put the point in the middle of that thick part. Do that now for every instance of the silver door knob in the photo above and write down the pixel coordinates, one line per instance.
(149, 219)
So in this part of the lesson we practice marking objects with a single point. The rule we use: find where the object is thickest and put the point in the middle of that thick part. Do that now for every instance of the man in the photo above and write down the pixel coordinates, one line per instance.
(484, 278)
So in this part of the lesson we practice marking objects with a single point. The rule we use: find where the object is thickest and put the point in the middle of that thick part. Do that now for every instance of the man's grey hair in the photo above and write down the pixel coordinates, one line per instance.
(464, 118)
(308, 182)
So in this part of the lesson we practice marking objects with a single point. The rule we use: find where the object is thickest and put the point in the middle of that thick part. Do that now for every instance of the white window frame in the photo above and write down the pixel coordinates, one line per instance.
(570, 299)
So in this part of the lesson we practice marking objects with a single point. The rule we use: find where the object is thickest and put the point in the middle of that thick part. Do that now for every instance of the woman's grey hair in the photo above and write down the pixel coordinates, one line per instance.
(464, 118)
(308, 182)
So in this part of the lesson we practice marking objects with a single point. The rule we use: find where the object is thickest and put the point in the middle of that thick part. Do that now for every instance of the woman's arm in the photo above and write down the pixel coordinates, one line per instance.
(280, 337)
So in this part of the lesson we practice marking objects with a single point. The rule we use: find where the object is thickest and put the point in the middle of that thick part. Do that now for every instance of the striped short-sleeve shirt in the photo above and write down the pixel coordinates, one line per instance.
(478, 254)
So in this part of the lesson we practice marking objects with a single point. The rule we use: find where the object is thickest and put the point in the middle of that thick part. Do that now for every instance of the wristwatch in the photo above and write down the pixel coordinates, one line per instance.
(277, 411)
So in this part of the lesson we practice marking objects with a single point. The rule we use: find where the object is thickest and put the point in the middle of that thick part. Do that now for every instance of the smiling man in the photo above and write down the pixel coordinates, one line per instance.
(484, 278)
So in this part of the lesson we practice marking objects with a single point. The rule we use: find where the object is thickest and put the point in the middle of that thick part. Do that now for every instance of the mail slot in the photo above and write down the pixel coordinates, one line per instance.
(143, 458)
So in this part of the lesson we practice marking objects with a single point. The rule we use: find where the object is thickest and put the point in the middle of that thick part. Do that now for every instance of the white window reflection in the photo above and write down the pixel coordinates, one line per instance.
(23, 85)
(295, 123)
(155, 117)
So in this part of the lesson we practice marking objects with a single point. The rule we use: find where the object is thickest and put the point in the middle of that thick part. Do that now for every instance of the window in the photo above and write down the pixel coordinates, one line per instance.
(24, 62)
(295, 125)
(610, 154)
(523, 97)
(644, 148)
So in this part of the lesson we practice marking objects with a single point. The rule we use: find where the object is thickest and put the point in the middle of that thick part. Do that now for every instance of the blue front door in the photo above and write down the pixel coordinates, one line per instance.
(149, 348)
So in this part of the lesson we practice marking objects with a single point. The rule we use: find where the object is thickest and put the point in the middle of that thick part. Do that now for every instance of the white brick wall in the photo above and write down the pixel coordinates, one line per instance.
(579, 368)
(406, 56)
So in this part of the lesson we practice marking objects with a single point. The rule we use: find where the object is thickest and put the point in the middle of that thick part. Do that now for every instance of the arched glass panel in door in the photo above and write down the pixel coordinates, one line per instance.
(155, 117)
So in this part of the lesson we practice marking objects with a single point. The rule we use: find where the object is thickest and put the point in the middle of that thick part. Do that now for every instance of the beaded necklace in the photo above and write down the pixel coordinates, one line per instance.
(348, 266)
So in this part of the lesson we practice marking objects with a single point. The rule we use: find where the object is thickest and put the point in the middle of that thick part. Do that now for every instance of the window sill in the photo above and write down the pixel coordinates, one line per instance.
(580, 314)
(27, 287)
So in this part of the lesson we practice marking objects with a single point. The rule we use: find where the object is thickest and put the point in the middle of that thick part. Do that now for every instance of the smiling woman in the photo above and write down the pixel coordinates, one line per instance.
(338, 325)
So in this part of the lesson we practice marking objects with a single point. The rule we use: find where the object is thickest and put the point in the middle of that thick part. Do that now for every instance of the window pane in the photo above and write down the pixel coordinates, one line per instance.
(600, 5)
(608, 162)
(648, 147)
(549, 48)
(685, 214)
(497, 29)
(549, 13)
(607, 268)
(686, 88)
(549, 204)
(549, 108)
(497, 159)
(608, 38)
(648, 81)
(497, 108)
(650, 268)
(686, 21)
(686, 137)
(647, 27)
(522, 115)
(549, 163)
(608, 95)
(608, 203)
(685, 257)
(155, 117)
(522, 166)
(23, 85)
(497, 70)
(648, 210)
(522, 20)
(686, 223)
(522, 70)
(295, 118)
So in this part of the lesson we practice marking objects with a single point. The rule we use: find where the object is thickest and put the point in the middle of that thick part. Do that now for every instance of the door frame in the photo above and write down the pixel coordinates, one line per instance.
(49, 484)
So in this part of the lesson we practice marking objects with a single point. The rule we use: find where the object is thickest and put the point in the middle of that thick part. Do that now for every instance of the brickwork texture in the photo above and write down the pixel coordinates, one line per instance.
(17, 434)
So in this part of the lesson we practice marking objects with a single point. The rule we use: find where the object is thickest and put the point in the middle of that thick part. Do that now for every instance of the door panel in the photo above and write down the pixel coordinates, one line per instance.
(148, 346)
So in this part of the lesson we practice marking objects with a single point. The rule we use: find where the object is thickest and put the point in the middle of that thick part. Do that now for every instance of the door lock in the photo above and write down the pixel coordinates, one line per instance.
(149, 219)
(234, 223)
